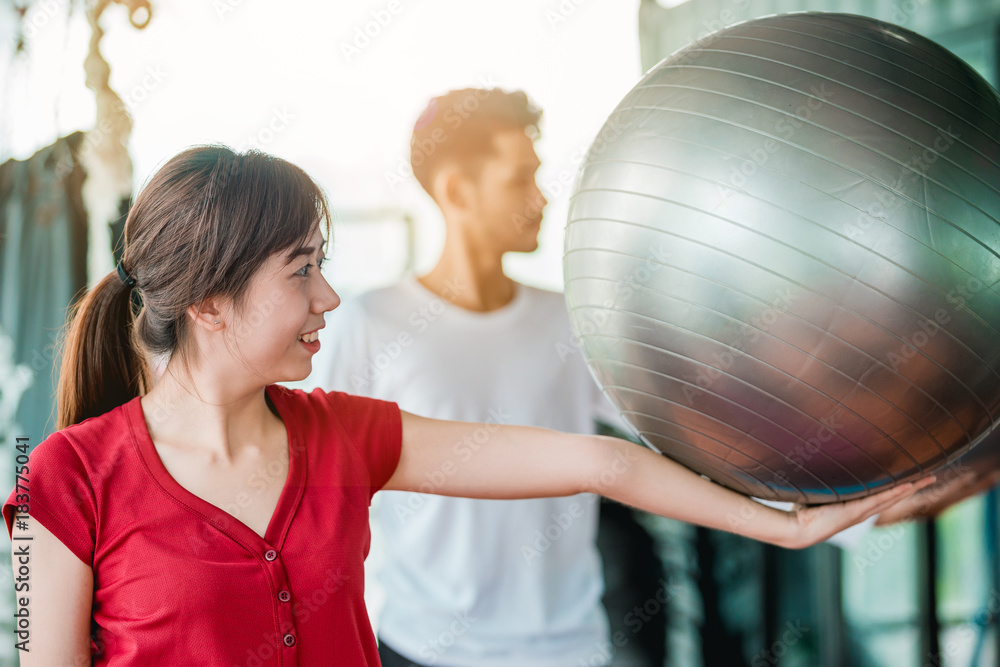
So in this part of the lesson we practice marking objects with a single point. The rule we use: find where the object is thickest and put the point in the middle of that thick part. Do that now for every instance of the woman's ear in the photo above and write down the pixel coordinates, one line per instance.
(207, 315)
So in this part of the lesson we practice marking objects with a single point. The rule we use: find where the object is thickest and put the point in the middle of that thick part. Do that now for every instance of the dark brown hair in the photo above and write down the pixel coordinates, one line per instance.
(459, 127)
(202, 226)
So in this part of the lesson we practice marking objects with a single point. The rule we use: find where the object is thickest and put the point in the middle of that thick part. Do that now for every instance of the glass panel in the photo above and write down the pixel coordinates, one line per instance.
(880, 577)
(963, 582)
(958, 644)
(898, 647)
(880, 598)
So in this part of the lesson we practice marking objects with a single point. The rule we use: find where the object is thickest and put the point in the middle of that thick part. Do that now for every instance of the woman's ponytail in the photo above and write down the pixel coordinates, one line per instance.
(102, 365)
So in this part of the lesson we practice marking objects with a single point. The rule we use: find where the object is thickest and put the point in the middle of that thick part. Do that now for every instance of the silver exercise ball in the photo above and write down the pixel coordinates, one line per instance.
(782, 255)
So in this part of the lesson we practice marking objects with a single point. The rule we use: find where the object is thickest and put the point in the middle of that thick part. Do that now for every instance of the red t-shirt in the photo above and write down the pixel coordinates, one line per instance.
(178, 581)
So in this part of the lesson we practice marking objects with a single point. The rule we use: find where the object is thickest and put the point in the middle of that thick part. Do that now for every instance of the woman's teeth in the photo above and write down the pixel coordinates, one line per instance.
(309, 337)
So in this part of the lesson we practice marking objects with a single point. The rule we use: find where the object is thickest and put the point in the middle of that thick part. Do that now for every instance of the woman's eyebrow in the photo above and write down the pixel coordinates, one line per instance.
(308, 251)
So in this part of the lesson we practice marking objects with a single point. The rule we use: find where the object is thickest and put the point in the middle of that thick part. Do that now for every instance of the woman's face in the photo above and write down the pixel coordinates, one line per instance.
(287, 299)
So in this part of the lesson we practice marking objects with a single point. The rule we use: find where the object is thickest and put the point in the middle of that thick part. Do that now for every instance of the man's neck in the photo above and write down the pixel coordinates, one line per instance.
(471, 280)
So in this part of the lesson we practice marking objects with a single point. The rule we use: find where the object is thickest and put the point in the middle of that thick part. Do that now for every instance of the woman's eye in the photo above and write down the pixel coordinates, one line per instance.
(304, 271)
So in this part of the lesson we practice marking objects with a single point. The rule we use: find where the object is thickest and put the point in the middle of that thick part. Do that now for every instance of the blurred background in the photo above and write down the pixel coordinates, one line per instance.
(97, 93)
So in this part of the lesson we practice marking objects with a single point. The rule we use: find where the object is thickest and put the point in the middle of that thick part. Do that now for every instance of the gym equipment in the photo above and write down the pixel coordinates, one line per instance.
(781, 257)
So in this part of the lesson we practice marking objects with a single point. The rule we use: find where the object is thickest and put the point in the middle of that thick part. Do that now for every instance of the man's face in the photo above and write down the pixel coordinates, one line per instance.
(506, 203)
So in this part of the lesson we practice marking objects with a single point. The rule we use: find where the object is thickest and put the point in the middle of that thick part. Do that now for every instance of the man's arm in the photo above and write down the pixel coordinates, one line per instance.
(955, 484)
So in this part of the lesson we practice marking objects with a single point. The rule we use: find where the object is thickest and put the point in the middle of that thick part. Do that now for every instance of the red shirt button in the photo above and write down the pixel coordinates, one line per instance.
(284, 596)
(270, 554)
(289, 639)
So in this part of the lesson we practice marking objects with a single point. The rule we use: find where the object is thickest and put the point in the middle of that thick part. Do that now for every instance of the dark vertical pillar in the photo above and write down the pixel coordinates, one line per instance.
(718, 645)
(829, 604)
(770, 594)
(927, 591)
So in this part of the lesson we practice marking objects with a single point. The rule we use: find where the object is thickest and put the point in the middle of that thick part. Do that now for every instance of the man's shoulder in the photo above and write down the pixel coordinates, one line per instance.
(375, 303)
(539, 294)
(545, 305)
(380, 295)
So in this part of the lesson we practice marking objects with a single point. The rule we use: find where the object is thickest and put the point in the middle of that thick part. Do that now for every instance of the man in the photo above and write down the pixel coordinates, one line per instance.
(478, 583)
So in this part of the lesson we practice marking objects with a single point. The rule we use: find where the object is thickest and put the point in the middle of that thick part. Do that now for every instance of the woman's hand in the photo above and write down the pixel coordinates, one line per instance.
(818, 523)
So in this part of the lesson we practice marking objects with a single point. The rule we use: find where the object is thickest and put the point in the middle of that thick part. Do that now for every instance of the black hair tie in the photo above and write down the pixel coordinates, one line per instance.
(125, 277)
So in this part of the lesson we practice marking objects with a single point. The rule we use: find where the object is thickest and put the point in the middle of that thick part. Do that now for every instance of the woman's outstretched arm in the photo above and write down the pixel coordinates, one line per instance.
(499, 461)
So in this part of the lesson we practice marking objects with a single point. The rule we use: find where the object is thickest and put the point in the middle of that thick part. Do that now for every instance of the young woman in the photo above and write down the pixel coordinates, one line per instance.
(216, 518)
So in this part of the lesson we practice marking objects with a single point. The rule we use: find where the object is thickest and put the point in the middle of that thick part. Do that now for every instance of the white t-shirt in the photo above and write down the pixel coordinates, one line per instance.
(468, 582)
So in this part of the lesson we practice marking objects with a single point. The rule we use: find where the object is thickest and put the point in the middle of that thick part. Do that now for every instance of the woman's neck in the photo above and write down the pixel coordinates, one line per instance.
(214, 417)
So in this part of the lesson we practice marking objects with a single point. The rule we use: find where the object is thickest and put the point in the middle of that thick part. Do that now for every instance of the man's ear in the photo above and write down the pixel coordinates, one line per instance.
(452, 188)
(206, 314)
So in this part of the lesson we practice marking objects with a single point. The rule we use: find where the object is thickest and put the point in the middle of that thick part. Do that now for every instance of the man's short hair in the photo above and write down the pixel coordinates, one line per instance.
(459, 127)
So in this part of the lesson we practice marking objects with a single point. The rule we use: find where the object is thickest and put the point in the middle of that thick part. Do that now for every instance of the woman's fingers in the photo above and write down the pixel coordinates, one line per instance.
(839, 517)
(886, 499)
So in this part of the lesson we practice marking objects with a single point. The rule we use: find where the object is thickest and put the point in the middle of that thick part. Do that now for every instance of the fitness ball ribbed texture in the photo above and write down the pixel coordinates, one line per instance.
(782, 256)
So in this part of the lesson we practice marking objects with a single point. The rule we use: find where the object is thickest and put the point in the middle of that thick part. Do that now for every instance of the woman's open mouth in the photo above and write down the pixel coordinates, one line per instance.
(310, 340)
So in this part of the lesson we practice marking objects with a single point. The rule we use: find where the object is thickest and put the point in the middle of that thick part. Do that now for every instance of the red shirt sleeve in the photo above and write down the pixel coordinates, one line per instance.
(385, 457)
(59, 495)
(375, 427)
